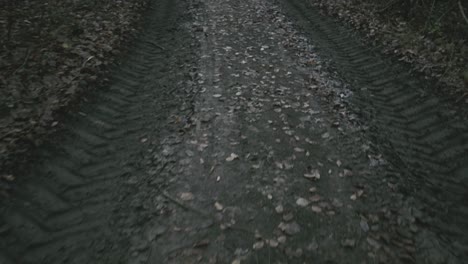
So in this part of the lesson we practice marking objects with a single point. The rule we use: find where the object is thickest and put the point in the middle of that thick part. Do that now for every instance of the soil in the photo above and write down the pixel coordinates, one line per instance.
(247, 132)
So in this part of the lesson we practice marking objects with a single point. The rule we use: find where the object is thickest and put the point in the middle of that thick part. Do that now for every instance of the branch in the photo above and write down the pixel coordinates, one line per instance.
(462, 11)
(388, 6)
(24, 62)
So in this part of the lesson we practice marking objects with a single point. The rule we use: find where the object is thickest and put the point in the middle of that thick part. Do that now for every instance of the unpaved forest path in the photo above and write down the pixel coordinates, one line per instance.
(227, 137)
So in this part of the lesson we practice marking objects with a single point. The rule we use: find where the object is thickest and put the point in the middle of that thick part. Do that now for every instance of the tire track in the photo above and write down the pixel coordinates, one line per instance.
(425, 135)
(60, 210)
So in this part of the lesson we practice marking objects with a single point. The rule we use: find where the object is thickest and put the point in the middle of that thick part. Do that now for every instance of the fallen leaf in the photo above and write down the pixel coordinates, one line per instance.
(216, 95)
(313, 175)
(313, 245)
(202, 147)
(8, 177)
(282, 239)
(201, 243)
(373, 243)
(337, 203)
(273, 243)
(349, 243)
(218, 206)
(360, 193)
(186, 196)
(302, 202)
(315, 198)
(292, 228)
(232, 157)
(288, 217)
(279, 164)
(258, 245)
(279, 209)
(300, 150)
(316, 209)
(364, 225)
(347, 173)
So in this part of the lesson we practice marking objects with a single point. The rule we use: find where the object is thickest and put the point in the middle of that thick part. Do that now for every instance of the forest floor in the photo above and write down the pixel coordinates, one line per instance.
(246, 132)
(430, 39)
(52, 52)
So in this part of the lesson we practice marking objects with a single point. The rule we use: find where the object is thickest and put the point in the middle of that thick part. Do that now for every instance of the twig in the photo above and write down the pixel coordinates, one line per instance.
(462, 11)
(429, 16)
(213, 168)
(24, 62)
(156, 45)
(241, 229)
(445, 13)
(450, 61)
(86, 61)
(184, 206)
(388, 6)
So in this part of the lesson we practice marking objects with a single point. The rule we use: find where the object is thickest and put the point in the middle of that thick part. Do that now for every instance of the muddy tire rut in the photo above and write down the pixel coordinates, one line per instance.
(63, 209)
(422, 131)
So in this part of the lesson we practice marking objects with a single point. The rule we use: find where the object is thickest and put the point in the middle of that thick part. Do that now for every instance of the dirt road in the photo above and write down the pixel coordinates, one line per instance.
(247, 132)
